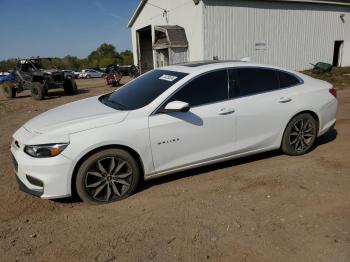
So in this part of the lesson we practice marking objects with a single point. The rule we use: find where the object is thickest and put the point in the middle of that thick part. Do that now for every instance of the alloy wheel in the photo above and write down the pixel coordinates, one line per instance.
(108, 179)
(302, 135)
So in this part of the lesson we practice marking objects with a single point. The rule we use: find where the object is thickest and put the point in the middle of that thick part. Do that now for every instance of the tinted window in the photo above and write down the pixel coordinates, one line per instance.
(287, 80)
(143, 90)
(208, 88)
(256, 80)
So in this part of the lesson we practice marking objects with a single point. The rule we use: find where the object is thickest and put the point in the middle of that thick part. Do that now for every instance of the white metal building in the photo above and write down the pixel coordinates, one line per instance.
(287, 33)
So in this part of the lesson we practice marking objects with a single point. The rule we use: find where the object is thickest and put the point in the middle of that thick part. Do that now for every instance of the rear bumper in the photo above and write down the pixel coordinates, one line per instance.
(328, 117)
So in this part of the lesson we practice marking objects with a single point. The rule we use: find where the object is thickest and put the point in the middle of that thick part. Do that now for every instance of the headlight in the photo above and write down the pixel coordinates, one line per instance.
(42, 151)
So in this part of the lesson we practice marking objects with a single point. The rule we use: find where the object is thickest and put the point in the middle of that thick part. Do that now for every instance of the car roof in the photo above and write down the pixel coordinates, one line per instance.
(204, 66)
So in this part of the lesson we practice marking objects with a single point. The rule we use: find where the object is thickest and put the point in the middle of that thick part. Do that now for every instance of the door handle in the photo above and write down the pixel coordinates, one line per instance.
(285, 100)
(226, 111)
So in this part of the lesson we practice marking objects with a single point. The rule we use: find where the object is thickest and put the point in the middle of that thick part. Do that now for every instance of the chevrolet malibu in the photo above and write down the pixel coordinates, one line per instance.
(168, 120)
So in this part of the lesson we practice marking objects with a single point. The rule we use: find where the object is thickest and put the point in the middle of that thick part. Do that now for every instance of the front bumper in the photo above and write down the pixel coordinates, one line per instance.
(42, 177)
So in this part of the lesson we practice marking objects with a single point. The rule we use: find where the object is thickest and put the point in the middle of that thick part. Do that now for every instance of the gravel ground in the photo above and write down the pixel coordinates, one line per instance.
(268, 207)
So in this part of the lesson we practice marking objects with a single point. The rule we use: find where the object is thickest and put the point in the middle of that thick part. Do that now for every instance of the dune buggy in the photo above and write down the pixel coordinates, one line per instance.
(30, 75)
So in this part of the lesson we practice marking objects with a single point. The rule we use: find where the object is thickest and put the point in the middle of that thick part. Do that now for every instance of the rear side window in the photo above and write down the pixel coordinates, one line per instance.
(256, 80)
(209, 88)
(287, 80)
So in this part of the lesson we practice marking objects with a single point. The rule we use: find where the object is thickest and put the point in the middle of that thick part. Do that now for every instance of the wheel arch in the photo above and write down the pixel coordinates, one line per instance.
(95, 150)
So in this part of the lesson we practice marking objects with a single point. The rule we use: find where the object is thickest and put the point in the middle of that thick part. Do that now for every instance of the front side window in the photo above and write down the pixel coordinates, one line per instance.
(209, 88)
(143, 90)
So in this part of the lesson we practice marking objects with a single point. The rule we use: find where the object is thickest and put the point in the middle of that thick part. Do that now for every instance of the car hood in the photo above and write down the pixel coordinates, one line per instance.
(75, 117)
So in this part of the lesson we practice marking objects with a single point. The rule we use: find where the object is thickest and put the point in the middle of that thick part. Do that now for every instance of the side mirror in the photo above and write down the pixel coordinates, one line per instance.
(176, 106)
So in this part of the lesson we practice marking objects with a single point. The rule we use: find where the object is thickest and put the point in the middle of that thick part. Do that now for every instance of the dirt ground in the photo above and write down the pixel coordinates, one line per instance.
(269, 207)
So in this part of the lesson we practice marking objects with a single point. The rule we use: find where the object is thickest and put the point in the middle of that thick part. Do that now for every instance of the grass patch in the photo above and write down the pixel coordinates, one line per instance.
(337, 77)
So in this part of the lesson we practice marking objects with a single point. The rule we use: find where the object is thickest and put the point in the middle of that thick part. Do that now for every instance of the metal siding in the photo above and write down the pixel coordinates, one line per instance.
(296, 34)
(178, 55)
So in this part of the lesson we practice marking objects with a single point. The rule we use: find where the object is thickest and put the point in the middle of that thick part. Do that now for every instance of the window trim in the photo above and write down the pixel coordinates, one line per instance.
(158, 109)
(301, 81)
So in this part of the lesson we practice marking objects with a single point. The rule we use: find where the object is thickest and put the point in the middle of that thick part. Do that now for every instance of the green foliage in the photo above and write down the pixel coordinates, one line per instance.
(6, 65)
(103, 56)
(127, 57)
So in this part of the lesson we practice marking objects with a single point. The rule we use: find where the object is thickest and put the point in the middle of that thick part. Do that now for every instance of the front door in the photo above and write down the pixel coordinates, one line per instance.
(206, 132)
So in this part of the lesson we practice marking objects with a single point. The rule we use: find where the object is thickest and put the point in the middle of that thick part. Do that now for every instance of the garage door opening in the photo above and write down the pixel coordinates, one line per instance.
(145, 52)
(337, 56)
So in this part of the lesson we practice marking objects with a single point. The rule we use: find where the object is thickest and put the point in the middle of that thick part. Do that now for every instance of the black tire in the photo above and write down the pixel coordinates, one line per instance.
(300, 135)
(38, 91)
(70, 86)
(9, 90)
(88, 77)
(109, 183)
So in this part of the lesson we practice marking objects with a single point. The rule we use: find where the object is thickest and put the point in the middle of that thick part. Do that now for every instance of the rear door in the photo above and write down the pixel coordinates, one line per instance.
(206, 132)
(263, 102)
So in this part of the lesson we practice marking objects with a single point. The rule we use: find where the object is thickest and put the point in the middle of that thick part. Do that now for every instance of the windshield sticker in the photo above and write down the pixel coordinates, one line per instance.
(168, 78)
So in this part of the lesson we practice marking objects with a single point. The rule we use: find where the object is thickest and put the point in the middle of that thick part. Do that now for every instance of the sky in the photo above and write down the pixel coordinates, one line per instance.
(55, 28)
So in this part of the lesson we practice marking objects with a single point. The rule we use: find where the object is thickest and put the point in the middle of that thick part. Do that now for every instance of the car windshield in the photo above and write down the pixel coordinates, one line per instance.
(142, 91)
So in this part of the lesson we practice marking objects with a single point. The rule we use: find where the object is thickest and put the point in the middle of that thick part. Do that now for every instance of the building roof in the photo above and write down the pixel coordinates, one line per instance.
(137, 12)
(329, 2)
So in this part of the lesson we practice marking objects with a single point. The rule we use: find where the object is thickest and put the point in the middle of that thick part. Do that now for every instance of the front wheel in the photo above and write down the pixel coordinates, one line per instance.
(300, 135)
(9, 89)
(107, 176)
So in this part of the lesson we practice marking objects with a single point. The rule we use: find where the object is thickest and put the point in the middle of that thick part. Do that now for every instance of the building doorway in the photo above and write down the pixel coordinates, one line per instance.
(145, 51)
(338, 53)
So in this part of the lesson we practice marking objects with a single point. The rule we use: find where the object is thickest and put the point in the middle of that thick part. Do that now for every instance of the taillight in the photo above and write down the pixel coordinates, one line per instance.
(333, 91)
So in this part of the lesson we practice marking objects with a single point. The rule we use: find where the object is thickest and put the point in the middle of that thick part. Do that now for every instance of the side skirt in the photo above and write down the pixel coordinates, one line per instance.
(205, 162)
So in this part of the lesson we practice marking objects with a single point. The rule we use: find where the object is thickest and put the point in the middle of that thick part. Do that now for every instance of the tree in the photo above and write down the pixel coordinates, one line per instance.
(103, 56)
(71, 62)
(7, 65)
(127, 57)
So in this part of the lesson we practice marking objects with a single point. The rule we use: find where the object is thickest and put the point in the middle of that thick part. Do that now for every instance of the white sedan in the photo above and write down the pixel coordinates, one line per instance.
(167, 120)
(91, 73)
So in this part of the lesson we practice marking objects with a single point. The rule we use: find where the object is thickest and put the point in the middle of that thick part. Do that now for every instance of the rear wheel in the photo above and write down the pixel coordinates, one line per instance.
(70, 86)
(9, 89)
(107, 176)
(38, 91)
(300, 135)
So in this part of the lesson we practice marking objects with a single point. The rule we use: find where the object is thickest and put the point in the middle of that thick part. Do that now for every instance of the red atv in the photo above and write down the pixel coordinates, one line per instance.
(113, 75)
